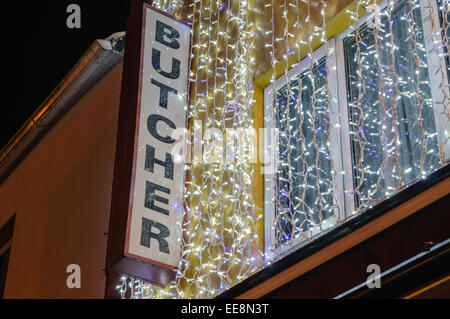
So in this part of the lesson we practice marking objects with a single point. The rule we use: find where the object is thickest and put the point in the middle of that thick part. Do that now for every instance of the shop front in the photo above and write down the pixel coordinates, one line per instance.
(242, 149)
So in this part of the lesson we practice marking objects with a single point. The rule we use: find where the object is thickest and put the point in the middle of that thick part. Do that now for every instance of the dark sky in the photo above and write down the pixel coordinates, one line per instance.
(41, 49)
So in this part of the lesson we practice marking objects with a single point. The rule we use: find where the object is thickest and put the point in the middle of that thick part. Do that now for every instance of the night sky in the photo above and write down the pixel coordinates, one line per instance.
(41, 49)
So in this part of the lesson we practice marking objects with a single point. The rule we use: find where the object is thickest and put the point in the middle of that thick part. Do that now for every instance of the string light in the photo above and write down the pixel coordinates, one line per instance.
(391, 126)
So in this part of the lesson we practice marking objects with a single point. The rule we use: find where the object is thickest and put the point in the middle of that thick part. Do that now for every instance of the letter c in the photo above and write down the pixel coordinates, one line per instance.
(152, 121)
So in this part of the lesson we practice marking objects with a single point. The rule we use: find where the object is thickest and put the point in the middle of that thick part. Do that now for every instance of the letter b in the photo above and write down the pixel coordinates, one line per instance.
(162, 35)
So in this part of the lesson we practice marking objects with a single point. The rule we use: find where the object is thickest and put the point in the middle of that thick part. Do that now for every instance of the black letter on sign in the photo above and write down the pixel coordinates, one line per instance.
(151, 125)
(147, 234)
(161, 33)
(156, 61)
(164, 93)
(150, 161)
(150, 197)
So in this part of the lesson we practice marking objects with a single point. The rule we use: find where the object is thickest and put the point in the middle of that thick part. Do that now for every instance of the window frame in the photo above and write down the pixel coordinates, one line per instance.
(335, 152)
(340, 142)
(437, 68)
(433, 60)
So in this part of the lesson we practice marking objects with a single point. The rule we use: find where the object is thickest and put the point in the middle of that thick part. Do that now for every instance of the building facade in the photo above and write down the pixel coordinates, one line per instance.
(318, 151)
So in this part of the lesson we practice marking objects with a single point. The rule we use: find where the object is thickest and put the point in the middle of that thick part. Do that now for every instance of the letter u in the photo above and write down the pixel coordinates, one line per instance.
(156, 61)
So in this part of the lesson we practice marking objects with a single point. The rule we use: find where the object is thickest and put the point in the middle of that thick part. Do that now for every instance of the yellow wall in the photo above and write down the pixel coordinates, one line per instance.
(61, 195)
(336, 25)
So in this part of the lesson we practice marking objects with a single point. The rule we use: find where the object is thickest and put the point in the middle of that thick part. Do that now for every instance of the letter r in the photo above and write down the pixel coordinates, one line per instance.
(147, 234)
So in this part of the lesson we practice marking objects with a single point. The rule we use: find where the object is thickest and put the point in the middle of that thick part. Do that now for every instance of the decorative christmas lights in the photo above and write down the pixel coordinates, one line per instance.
(398, 122)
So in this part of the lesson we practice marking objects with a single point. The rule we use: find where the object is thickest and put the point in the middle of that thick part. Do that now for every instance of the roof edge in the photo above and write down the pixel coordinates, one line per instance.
(101, 56)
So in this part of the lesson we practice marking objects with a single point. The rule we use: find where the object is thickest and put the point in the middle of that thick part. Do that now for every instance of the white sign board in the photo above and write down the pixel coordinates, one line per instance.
(154, 225)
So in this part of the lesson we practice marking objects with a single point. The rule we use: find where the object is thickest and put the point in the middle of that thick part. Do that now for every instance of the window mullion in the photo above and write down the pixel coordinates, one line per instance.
(437, 71)
(345, 143)
(271, 154)
(335, 143)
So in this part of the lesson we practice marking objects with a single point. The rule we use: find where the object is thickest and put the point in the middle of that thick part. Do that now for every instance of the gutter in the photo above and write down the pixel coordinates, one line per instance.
(406, 276)
(101, 56)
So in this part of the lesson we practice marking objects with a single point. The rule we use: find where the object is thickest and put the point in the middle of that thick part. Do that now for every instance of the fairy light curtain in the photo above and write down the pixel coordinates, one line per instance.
(391, 109)
(389, 116)
(304, 179)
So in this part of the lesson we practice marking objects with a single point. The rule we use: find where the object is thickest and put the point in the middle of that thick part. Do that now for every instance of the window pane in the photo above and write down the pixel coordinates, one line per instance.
(304, 178)
(393, 133)
(444, 18)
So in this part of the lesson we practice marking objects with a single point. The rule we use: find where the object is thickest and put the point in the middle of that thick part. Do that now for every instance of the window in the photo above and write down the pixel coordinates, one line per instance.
(302, 121)
(392, 127)
(444, 19)
(300, 195)
(367, 116)
(6, 233)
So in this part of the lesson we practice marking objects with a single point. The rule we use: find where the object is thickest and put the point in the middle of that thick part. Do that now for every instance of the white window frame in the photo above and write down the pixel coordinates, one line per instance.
(435, 60)
(437, 69)
(335, 153)
(340, 148)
